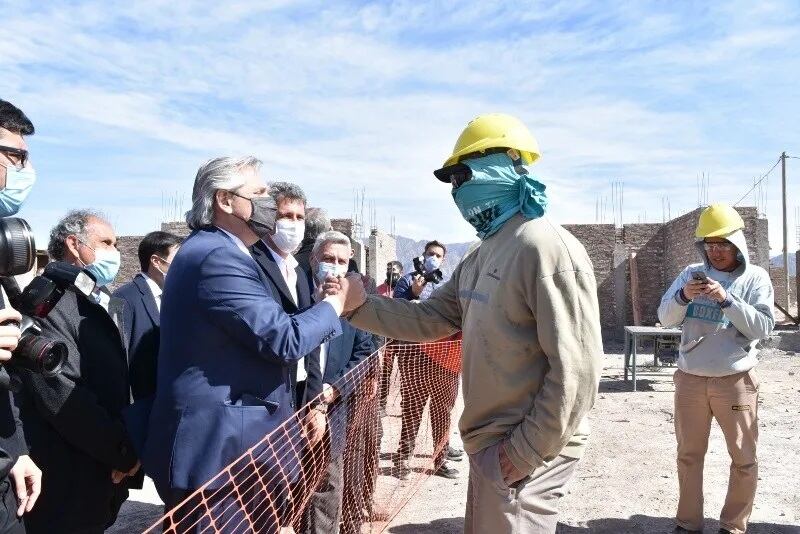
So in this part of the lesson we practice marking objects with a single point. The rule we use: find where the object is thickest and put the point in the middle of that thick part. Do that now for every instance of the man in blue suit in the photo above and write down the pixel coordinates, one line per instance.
(343, 376)
(141, 309)
(227, 349)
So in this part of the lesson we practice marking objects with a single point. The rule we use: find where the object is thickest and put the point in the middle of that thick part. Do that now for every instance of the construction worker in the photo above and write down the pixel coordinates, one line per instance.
(526, 301)
(725, 307)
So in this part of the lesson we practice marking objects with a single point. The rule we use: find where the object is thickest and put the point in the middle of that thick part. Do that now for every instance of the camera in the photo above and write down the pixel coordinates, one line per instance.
(17, 247)
(17, 256)
(434, 276)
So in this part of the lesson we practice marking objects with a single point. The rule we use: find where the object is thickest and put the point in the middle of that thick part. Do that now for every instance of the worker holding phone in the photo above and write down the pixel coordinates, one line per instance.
(725, 306)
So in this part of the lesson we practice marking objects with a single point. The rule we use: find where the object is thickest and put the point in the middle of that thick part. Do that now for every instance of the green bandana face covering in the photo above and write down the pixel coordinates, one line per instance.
(496, 193)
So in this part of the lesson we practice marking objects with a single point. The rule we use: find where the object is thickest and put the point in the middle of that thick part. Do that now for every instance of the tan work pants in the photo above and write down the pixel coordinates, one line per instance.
(733, 402)
(529, 506)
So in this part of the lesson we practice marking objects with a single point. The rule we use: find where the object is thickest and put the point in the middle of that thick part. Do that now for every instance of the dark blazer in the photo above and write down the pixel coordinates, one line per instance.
(345, 372)
(12, 440)
(73, 421)
(303, 255)
(277, 283)
(227, 351)
(141, 328)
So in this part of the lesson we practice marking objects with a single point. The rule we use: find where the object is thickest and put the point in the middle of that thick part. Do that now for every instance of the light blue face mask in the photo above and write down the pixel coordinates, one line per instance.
(496, 192)
(432, 263)
(105, 266)
(324, 269)
(18, 186)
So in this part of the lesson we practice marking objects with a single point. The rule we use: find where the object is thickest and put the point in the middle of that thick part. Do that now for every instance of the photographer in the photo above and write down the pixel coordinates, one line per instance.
(421, 282)
(422, 377)
(18, 473)
(73, 420)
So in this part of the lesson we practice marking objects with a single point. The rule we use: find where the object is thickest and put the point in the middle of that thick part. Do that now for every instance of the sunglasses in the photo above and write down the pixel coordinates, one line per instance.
(456, 175)
(18, 156)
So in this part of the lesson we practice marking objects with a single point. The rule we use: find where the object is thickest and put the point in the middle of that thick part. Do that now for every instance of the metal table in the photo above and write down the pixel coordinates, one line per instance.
(632, 335)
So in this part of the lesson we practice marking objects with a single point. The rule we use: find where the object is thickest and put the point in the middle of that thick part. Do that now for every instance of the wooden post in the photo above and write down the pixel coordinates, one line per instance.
(785, 234)
(637, 310)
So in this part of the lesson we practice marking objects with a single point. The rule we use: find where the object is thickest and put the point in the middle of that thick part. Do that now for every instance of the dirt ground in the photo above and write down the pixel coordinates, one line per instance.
(626, 482)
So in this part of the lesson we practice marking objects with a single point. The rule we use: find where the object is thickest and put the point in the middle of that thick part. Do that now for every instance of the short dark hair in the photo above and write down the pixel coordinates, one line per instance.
(395, 263)
(14, 120)
(157, 243)
(435, 243)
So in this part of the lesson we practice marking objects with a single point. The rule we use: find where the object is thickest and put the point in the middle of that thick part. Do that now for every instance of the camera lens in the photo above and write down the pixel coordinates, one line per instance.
(17, 247)
(39, 354)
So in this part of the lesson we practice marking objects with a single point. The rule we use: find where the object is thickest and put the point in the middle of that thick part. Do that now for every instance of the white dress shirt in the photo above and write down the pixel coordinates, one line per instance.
(154, 289)
(288, 268)
(236, 240)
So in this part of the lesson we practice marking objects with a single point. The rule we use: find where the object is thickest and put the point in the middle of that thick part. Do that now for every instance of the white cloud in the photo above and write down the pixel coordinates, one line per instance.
(342, 96)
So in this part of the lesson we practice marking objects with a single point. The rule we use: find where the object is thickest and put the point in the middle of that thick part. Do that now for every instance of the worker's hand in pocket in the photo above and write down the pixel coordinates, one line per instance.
(507, 468)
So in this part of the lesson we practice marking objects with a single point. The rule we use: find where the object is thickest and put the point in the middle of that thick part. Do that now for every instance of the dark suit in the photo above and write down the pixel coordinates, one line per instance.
(12, 446)
(346, 373)
(227, 353)
(73, 421)
(141, 327)
(304, 288)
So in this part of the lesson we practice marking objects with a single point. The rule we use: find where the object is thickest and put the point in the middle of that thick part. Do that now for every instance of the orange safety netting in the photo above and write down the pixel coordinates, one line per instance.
(350, 470)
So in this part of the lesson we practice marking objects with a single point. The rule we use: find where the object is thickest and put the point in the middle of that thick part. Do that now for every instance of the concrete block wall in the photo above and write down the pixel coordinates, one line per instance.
(381, 249)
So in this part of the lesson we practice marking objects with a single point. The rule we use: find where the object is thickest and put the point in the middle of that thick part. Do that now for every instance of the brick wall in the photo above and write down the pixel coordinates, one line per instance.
(662, 252)
(778, 277)
(647, 241)
(599, 239)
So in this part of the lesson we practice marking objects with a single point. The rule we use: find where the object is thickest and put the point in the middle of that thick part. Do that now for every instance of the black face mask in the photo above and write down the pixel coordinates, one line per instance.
(262, 216)
(392, 278)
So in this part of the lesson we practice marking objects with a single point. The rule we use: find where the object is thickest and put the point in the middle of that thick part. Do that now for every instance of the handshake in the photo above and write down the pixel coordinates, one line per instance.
(345, 293)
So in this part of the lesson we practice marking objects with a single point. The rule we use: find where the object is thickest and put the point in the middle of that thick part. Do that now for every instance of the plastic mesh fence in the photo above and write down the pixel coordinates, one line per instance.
(348, 471)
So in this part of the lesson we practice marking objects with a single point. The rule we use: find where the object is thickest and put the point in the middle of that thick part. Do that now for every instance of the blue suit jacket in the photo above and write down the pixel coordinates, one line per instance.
(226, 351)
(277, 284)
(140, 328)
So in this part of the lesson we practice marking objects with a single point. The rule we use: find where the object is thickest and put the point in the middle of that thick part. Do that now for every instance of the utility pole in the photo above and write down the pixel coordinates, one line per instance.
(785, 237)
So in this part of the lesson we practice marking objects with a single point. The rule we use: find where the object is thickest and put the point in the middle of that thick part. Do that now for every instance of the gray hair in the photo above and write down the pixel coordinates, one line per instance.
(317, 221)
(73, 223)
(214, 175)
(332, 237)
(280, 191)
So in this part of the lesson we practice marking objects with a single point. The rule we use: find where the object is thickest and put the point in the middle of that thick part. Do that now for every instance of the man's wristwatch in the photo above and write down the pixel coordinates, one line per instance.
(321, 407)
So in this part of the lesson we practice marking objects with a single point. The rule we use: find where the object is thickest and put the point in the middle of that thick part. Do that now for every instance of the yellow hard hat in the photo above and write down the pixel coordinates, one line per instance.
(495, 130)
(718, 220)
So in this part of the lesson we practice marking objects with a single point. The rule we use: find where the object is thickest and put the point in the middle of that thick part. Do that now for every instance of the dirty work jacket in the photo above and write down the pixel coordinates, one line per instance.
(526, 300)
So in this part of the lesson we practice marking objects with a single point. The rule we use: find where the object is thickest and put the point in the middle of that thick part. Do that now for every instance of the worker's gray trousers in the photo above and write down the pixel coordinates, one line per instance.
(529, 506)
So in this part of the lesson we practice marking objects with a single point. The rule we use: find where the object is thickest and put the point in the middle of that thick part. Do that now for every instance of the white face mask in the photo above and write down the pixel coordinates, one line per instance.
(288, 235)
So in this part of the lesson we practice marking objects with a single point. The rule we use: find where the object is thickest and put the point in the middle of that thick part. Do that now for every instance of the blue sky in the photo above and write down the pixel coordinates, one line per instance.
(128, 98)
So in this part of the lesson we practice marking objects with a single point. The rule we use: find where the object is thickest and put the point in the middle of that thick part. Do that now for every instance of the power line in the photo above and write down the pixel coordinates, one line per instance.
(763, 177)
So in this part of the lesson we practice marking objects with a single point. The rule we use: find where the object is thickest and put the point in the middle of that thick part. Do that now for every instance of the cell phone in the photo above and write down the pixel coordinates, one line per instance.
(699, 276)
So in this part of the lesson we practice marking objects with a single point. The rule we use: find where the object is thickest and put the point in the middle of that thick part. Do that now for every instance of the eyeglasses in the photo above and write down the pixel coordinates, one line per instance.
(457, 175)
(17, 156)
(722, 246)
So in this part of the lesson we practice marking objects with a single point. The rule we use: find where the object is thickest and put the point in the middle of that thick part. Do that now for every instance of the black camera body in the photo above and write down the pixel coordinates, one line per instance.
(17, 256)
(435, 276)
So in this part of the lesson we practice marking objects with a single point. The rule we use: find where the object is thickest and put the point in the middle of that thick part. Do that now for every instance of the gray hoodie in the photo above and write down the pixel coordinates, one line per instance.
(720, 339)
